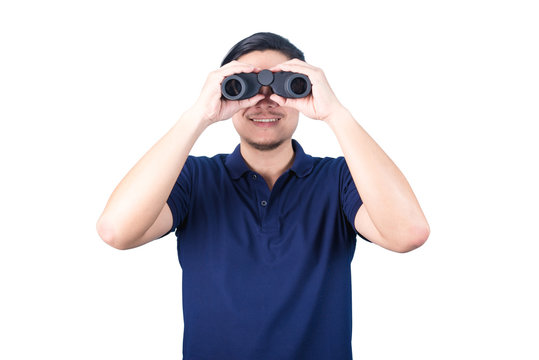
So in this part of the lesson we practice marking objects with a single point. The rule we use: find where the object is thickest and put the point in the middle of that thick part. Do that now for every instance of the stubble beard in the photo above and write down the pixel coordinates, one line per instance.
(269, 146)
(265, 147)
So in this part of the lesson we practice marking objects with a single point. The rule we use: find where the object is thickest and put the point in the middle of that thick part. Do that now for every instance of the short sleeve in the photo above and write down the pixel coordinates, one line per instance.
(179, 198)
(350, 199)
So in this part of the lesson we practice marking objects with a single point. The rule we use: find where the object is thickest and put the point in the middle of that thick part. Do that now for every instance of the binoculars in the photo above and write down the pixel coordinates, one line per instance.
(246, 85)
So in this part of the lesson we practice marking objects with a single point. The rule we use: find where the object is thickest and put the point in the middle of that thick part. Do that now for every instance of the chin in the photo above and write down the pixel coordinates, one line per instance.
(265, 145)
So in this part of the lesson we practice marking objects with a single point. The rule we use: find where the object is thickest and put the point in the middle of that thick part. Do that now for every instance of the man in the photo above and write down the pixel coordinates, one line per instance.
(266, 234)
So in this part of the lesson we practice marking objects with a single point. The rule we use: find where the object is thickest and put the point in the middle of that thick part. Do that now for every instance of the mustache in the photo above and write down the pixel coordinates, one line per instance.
(273, 113)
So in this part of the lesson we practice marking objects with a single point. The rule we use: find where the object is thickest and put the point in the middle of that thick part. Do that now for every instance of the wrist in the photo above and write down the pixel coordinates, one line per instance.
(337, 115)
(197, 118)
(193, 120)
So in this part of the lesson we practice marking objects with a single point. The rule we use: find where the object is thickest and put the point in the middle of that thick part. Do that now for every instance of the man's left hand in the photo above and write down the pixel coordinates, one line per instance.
(321, 103)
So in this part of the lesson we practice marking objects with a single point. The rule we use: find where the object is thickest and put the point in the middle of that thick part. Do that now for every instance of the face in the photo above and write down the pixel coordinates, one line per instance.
(266, 125)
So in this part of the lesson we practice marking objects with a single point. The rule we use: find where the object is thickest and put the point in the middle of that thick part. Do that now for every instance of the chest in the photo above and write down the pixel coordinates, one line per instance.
(248, 202)
(300, 218)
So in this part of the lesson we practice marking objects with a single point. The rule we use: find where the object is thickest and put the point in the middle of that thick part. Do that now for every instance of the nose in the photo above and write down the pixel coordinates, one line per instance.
(266, 102)
(266, 91)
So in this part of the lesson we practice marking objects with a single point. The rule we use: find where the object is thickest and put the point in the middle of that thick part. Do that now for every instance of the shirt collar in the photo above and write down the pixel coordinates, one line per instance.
(302, 166)
(303, 163)
(235, 164)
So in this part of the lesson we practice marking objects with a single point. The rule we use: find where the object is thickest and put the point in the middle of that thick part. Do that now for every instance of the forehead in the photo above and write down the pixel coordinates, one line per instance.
(264, 59)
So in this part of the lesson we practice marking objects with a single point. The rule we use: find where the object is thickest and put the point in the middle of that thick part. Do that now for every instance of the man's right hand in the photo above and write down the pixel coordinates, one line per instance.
(137, 211)
(211, 106)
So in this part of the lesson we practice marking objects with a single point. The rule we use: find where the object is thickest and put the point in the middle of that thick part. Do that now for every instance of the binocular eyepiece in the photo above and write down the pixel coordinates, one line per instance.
(246, 85)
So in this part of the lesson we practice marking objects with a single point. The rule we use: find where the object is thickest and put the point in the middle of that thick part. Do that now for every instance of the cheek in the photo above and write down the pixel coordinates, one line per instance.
(236, 119)
(293, 115)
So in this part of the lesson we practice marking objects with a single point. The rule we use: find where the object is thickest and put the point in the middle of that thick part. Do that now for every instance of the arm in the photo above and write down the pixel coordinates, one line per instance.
(136, 212)
(391, 215)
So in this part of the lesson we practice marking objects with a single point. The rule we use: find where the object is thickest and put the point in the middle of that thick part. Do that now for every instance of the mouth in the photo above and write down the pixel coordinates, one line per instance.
(265, 118)
(269, 120)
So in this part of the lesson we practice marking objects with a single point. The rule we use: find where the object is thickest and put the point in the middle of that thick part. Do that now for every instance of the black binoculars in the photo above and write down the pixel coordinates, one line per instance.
(246, 85)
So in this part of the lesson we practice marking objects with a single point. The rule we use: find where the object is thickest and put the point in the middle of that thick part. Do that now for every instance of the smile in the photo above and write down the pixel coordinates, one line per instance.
(265, 120)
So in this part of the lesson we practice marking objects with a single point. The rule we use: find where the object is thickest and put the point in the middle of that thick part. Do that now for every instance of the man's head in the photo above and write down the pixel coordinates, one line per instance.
(263, 41)
(266, 125)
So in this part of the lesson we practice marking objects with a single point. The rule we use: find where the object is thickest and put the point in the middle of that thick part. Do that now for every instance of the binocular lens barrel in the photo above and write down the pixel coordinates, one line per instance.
(246, 85)
(234, 86)
(297, 86)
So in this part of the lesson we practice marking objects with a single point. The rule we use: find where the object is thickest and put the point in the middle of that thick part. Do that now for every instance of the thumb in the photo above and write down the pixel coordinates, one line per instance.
(242, 104)
(289, 102)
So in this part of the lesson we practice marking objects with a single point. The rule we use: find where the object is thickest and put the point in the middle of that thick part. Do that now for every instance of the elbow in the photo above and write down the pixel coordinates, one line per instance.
(413, 238)
(109, 234)
(417, 236)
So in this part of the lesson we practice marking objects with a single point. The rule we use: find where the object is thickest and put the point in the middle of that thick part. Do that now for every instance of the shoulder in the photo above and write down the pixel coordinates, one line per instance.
(306, 164)
(198, 169)
(206, 160)
(205, 163)
(330, 166)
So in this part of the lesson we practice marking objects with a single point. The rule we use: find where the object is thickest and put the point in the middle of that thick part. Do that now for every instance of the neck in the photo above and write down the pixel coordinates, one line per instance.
(270, 164)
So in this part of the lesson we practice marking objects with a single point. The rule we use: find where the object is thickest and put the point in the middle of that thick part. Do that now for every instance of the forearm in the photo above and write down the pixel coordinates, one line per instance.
(139, 198)
(134, 213)
(390, 210)
(387, 196)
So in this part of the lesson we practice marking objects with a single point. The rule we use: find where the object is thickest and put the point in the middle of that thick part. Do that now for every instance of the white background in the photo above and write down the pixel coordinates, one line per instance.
(450, 89)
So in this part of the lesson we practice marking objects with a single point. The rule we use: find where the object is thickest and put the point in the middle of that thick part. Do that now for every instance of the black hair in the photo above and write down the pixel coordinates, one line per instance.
(263, 41)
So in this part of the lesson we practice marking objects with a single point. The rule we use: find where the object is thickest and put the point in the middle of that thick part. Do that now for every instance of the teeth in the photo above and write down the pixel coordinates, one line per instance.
(265, 120)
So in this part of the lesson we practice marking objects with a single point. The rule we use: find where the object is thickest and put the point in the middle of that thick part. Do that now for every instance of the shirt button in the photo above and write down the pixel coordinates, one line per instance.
(263, 203)
(254, 177)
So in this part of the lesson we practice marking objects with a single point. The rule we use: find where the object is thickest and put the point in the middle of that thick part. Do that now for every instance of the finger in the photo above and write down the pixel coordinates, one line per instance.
(287, 102)
(292, 64)
(235, 68)
(295, 62)
(281, 101)
(241, 66)
(237, 63)
(250, 102)
(305, 70)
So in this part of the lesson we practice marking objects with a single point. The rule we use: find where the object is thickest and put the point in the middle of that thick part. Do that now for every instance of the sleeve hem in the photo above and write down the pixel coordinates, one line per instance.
(357, 232)
(170, 204)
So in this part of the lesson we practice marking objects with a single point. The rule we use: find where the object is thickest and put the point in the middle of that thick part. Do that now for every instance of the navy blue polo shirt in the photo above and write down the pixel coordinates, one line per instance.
(266, 274)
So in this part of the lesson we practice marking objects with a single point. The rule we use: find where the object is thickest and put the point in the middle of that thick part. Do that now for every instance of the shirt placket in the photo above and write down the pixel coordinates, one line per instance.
(268, 212)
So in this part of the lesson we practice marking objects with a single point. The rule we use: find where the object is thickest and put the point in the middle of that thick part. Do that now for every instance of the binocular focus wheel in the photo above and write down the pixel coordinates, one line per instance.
(265, 77)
